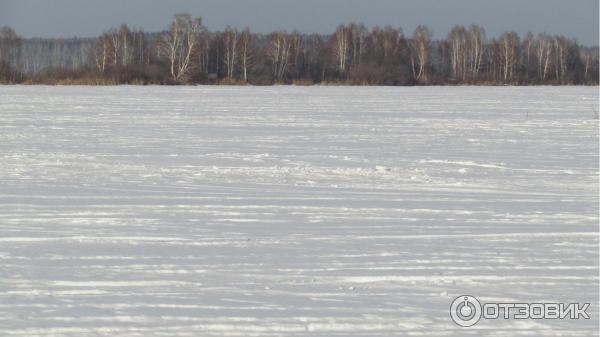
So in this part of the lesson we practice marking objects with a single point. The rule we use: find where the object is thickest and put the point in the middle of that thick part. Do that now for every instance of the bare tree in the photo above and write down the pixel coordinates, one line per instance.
(543, 54)
(562, 50)
(588, 58)
(359, 35)
(278, 53)
(202, 53)
(509, 43)
(467, 50)
(391, 44)
(126, 47)
(247, 52)
(114, 39)
(100, 52)
(188, 52)
(420, 53)
(476, 35)
(297, 59)
(341, 47)
(9, 43)
(458, 41)
(10, 47)
(316, 57)
(230, 41)
(121, 47)
(179, 43)
(528, 46)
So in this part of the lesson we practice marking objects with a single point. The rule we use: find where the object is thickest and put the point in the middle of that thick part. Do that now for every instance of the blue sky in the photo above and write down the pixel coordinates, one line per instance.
(65, 18)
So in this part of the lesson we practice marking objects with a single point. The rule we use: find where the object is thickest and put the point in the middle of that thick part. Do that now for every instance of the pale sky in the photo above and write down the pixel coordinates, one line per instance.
(67, 18)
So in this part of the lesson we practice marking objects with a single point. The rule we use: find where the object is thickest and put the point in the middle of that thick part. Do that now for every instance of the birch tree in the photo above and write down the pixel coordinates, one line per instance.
(509, 44)
(458, 41)
(528, 46)
(179, 43)
(230, 41)
(297, 56)
(341, 47)
(126, 45)
(476, 36)
(247, 52)
(100, 53)
(543, 55)
(278, 53)
(359, 35)
(188, 52)
(589, 59)
(562, 50)
(420, 53)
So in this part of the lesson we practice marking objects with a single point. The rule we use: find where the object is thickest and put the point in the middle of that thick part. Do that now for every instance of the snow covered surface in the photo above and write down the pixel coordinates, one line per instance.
(294, 211)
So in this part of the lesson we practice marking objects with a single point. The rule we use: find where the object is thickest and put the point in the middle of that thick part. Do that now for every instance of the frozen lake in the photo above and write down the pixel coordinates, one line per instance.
(294, 211)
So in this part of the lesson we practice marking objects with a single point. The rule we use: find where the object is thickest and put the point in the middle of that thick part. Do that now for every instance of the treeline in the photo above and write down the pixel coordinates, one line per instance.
(188, 53)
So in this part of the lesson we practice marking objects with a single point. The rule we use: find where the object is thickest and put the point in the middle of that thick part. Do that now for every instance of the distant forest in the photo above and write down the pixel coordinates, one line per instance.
(187, 53)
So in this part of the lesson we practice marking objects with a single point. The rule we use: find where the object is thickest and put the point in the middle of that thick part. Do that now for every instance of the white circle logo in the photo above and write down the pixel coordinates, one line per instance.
(465, 310)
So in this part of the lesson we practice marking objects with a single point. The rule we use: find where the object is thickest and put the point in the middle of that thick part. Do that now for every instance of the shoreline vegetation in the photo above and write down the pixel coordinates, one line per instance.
(187, 54)
(107, 83)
